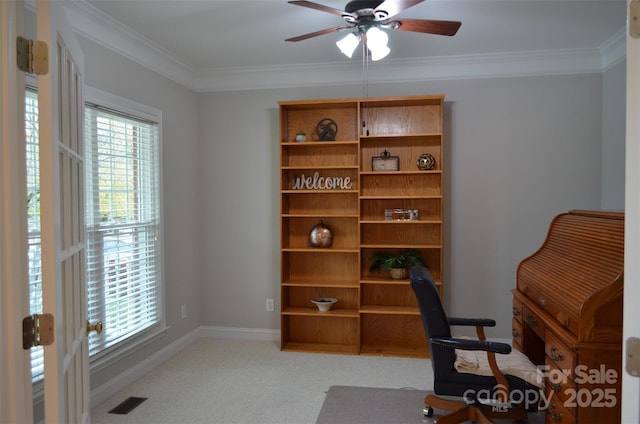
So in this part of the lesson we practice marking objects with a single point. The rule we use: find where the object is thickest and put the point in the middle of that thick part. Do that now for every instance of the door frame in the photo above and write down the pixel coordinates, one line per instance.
(630, 396)
(16, 395)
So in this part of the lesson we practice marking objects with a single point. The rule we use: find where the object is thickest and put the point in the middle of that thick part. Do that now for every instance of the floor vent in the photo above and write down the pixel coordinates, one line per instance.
(128, 405)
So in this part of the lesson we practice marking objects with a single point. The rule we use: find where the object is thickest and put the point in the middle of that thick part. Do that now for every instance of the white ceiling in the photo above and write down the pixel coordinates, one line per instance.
(217, 36)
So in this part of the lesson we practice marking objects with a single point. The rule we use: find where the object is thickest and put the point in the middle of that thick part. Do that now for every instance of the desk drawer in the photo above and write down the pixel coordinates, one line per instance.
(517, 309)
(517, 332)
(532, 320)
(559, 353)
(557, 413)
(560, 385)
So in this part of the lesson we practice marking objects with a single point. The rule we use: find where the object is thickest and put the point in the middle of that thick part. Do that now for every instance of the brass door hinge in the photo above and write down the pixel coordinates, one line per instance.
(634, 19)
(33, 56)
(37, 330)
(633, 356)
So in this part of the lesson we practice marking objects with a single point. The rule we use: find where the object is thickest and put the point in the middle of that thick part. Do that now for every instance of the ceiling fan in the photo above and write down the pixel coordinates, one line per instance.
(361, 16)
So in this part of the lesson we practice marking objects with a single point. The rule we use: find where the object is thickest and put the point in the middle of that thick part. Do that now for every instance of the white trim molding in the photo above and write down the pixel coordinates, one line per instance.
(259, 334)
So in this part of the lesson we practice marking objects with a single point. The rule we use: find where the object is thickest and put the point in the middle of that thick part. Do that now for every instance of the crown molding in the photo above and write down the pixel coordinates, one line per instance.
(93, 24)
(100, 28)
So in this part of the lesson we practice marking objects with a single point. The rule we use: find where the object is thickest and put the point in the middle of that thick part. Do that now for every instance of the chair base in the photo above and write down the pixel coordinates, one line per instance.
(463, 412)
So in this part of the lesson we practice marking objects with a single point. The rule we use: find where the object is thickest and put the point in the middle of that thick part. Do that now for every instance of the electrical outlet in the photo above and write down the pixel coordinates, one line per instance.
(184, 311)
(269, 306)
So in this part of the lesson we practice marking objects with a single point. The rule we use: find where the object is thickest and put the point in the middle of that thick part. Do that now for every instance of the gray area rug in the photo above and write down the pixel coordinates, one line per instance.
(366, 405)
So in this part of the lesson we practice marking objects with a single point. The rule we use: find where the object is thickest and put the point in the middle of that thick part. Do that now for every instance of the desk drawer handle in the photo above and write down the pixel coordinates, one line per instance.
(542, 301)
(554, 416)
(516, 311)
(531, 320)
(556, 387)
(515, 333)
(556, 355)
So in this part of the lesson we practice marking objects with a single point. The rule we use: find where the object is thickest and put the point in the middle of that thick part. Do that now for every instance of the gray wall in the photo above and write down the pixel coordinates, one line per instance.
(518, 152)
(182, 191)
(613, 135)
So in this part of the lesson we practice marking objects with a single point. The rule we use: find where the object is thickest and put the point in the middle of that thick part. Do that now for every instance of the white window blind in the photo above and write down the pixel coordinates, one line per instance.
(122, 226)
(33, 223)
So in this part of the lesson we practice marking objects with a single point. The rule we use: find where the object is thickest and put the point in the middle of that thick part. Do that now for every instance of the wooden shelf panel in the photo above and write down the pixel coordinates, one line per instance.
(326, 265)
(395, 351)
(352, 349)
(408, 149)
(321, 329)
(347, 284)
(306, 117)
(384, 246)
(392, 298)
(389, 310)
(380, 233)
(432, 257)
(319, 154)
(319, 203)
(388, 281)
(312, 312)
(319, 250)
(395, 119)
(400, 184)
(344, 232)
(319, 167)
(393, 332)
(312, 144)
(401, 222)
(296, 300)
(315, 215)
(397, 198)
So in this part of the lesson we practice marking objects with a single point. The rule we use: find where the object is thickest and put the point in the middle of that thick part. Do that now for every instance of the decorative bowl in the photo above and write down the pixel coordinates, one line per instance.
(324, 303)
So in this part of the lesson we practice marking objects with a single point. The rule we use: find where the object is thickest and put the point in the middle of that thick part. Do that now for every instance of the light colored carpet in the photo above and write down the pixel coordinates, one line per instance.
(240, 381)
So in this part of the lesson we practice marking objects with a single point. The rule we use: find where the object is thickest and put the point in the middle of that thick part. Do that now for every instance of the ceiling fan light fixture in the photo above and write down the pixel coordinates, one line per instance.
(377, 43)
(348, 44)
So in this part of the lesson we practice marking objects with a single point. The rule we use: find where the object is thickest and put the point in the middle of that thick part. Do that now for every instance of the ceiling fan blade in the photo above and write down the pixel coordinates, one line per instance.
(320, 7)
(393, 7)
(317, 33)
(429, 26)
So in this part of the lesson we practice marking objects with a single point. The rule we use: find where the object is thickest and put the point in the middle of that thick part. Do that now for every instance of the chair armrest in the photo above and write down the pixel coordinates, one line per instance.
(483, 322)
(471, 344)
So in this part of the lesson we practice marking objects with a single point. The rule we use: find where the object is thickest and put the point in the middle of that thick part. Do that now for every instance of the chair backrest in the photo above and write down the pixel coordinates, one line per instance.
(434, 320)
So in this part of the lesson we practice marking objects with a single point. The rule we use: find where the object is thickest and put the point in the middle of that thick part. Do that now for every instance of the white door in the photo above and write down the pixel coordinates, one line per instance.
(15, 363)
(630, 384)
(62, 219)
(60, 114)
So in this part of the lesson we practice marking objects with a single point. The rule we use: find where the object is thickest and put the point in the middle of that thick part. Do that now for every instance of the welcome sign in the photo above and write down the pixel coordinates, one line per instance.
(318, 182)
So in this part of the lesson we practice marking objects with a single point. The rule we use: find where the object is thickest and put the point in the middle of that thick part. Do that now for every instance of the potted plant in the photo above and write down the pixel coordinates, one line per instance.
(301, 136)
(396, 264)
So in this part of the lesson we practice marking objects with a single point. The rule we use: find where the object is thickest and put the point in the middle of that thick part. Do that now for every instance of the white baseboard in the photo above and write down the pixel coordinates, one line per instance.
(122, 380)
(118, 383)
(240, 333)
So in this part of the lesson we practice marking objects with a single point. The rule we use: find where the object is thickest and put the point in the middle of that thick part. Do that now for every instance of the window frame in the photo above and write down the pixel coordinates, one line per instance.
(118, 351)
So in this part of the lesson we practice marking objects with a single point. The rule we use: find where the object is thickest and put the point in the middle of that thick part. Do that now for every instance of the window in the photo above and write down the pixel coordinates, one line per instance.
(33, 222)
(122, 169)
(123, 222)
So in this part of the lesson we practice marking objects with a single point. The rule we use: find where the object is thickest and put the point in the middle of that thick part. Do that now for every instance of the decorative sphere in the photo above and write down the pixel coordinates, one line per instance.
(320, 236)
(426, 161)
